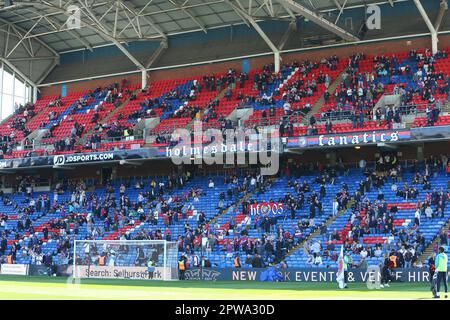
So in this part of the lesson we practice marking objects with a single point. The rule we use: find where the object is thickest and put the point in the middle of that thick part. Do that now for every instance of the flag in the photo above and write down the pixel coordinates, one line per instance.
(340, 273)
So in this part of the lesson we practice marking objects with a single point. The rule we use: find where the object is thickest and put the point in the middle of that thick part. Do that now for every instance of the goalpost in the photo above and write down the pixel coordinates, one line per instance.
(125, 259)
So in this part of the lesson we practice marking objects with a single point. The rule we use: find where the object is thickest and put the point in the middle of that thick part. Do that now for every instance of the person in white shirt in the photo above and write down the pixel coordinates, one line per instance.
(112, 260)
(87, 248)
(252, 184)
(363, 253)
(362, 164)
(286, 107)
(378, 252)
(315, 248)
(417, 217)
(316, 259)
(211, 184)
(247, 221)
(352, 218)
(335, 207)
(428, 212)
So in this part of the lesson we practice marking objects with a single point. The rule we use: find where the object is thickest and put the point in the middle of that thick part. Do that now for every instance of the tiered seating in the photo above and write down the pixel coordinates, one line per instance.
(169, 121)
(344, 127)
(423, 122)
(106, 146)
(157, 89)
(287, 74)
(403, 219)
(160, 90)
(70, 116)
(277, 192)
(365, 65)
(206, 203)
(5, 127)
(67, 103)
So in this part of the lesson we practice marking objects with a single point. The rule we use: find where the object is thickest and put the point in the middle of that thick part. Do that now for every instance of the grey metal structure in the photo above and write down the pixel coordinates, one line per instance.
(35, 33)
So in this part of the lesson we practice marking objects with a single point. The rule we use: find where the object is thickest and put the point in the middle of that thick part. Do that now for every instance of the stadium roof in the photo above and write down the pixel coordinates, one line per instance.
(106, 21)
(50, 23)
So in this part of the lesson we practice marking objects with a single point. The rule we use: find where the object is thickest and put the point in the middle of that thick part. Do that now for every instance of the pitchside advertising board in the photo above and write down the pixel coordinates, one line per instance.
(117, 272)
(305, 275)
(230, 274)
(14, 269)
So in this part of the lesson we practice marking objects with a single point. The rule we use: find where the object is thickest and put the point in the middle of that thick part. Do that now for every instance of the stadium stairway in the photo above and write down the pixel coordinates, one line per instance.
(430, 248)
(319, 103)
(224, 211)
(86, 135)
(316, 232)
(219, 96)
(150, 140)
(238, 203)
(42, 111)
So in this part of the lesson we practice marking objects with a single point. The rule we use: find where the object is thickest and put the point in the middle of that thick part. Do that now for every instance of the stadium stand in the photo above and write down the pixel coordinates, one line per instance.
(285, 100)
(375, 214)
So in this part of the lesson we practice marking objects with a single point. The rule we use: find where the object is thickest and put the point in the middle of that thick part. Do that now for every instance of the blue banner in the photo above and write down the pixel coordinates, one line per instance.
(63, 90)
(245, 66)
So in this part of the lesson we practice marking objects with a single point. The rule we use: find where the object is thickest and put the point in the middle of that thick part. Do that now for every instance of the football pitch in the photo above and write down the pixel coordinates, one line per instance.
(45, 288)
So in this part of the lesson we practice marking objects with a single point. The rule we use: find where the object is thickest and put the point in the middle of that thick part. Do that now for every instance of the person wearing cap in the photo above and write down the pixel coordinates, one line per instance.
(441, 262)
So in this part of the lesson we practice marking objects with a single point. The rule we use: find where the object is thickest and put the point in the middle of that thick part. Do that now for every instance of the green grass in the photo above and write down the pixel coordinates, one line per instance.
(16, 287)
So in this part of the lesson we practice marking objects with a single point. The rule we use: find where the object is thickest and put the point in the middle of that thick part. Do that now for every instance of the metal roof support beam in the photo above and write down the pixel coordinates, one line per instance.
(14, 26)
(73, 33)
(292, 27)
(261, 33)
(47, 72)
(443, 8)
(289, 11)
(155, 56)
(433, 32)
(104, 30)
(31, 58)
(336, 2)
(340, 11)
(23, 38)
(130, 7)
(195, 19)
(298, 8)
(57, 26)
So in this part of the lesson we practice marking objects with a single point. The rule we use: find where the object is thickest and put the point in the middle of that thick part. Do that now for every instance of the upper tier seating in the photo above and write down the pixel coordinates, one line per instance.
(280, 99)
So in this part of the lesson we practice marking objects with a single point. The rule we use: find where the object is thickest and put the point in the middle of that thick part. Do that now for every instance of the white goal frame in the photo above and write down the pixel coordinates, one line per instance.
(167, 270)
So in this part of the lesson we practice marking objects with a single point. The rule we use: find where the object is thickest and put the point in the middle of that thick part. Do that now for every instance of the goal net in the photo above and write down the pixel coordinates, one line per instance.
(125, 259)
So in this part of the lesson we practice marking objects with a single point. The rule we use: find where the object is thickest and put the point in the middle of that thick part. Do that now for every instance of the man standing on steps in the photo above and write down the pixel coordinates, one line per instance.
(441, 269)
